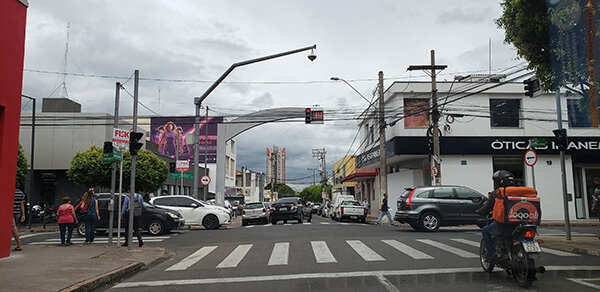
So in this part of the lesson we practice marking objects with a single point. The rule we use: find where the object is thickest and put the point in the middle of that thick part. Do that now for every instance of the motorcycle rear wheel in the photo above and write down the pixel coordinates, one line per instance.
(523, 268)
(488, 267)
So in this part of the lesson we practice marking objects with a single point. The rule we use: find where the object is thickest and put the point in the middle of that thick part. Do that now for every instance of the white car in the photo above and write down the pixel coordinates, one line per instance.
(194, 211)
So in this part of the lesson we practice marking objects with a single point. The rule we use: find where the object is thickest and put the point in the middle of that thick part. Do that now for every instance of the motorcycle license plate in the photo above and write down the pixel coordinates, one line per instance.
(531, 246)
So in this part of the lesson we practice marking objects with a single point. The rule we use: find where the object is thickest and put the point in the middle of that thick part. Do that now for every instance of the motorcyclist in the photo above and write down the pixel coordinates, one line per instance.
(501, 178)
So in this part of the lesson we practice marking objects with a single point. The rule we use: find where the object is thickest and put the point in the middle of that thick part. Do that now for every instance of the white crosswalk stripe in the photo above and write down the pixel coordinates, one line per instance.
(364, 251)
(235, 257)
(448, 248)
(466, 241)
(409, 251)
(544, 249)
(280, 254)
(322, 253)
(192, 259)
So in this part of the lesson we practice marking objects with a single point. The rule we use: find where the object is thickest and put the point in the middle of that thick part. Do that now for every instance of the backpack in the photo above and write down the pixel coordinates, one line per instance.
(516, 205)
(137, 205)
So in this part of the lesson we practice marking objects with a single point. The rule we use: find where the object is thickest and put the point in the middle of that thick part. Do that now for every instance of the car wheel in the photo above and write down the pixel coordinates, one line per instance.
(244, 223)
(156, 227)
(80, 229)
(273, 222)
(429, 222)
(210, 222)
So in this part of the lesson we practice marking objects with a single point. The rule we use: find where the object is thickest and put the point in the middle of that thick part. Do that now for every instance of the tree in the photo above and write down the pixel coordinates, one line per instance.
(88, 169)
(22, 166)
(282, 190)
(312, 193)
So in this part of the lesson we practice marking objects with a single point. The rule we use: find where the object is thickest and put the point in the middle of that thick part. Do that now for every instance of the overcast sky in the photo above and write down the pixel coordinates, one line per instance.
(182, 47)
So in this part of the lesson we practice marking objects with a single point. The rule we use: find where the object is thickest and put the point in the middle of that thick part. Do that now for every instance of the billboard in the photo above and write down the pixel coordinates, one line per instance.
(169, 133)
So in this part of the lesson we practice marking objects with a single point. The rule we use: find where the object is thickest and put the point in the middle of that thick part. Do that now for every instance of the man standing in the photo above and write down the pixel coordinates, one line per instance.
(18, 214)
(384, 211)
(138, 202)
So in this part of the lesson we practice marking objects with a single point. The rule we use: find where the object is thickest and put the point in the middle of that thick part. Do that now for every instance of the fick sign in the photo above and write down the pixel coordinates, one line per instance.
(120, 136)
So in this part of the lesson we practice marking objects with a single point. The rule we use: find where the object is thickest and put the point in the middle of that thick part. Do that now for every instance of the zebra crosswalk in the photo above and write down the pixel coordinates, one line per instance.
(101, 240)
(305, 223)
(322, 253)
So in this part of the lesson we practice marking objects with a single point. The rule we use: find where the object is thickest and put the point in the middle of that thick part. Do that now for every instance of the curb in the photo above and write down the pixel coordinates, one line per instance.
(104, 279)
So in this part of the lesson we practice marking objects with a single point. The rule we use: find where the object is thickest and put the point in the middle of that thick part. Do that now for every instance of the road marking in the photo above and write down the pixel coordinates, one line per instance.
(77, 241)
(409, 251)
(22, 236)
(235, 257)
(250, 279)
(457, 251)
(326, 223)
(192, 259)
(386, 283)
(307, 223)
(250, 226)
(322, 253)
(364, 251)
(585, 282)
(559, 252)
(466, 241)
(268, 225)
(280, 254)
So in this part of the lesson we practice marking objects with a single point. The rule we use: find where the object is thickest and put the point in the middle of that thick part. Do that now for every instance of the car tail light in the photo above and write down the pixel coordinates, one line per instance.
(530, 234)
(243, 212)
(264, 210)
(409, 199)
(293, 207)
(342, 209)
(272, 208)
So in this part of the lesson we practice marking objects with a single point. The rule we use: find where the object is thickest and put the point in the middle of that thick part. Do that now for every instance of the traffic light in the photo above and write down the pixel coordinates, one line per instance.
(172, 167)
(108, 147)
(561, 138)
(532, 87)
(308, 117)
(134, 142)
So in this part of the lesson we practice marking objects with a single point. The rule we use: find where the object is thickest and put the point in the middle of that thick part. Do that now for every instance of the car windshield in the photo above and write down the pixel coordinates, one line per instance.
(254, 206)
(287, 200)
(350, 203)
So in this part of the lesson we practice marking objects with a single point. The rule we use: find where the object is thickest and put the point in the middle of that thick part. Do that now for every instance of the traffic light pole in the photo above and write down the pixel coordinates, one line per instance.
(562, 167)
(111, 210)
(133, 159)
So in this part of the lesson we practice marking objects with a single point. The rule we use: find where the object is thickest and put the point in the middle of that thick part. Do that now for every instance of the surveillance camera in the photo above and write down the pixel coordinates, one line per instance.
(312, 56)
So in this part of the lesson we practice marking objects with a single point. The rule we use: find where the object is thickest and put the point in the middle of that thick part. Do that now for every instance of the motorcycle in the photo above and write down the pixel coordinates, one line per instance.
(516, 252)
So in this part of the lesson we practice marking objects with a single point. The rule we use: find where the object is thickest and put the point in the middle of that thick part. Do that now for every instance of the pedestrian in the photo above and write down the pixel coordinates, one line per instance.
(385, 211)
(235, 210)
(89, 207)
(66, 217)
(366, 204)
(18, 215)
(165, 193)
(138, 203)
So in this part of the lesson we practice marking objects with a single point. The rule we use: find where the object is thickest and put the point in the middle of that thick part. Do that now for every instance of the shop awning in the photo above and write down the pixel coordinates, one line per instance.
(361, 174)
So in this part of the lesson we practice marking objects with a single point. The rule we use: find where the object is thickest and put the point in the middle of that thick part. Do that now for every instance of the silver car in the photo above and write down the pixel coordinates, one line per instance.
(255, 213)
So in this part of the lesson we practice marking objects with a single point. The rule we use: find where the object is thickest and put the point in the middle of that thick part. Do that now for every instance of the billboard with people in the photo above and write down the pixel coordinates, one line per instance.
(170, 134)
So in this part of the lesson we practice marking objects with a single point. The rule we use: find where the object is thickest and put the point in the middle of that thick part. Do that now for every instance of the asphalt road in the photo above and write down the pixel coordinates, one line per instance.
(328, 256)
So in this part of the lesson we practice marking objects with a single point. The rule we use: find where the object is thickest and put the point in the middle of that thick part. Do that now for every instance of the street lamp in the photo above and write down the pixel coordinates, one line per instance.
(198, 102)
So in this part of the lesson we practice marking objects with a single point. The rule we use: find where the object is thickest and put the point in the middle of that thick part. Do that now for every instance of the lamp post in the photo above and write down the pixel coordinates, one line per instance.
(32, 148)
(198, 102)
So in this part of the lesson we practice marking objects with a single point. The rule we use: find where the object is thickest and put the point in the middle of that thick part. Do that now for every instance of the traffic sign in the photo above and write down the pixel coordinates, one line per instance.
(182, 165)
(530, 157)
(538, 142)
(114, 156)
(175, 174)
(205, 180)
(188, 175)
(120, 138)
(434, 171)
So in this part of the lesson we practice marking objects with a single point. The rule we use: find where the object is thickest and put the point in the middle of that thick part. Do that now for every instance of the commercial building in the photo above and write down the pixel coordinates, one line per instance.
(485, 125)
(276, 165)
(250, 185)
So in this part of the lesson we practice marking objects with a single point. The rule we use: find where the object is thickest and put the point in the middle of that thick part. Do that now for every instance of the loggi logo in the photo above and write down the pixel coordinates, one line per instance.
(523, 211)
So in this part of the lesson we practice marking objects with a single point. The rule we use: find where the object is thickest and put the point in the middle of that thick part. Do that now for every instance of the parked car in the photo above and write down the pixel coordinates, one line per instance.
(336, 204)
(155, 220)
(255, 212)
(194, 211)
(290, 208)
(351, 210)
(427, 208)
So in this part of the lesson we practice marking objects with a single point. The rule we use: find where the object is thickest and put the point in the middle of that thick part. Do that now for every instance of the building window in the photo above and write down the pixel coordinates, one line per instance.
(505, 113)
(512, 163)
(416, 113)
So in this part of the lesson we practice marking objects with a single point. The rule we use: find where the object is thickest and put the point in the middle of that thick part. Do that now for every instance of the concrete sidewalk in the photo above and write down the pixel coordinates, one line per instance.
(86, 267)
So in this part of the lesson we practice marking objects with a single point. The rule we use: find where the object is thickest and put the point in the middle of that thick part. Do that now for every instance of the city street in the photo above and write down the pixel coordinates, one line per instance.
(326, 255)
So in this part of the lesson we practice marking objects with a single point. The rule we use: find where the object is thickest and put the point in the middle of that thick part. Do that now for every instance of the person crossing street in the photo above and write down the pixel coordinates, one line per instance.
(385, 211)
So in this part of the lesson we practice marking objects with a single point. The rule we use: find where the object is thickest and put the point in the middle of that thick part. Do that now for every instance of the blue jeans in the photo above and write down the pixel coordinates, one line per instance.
(488, 241)
(386, 213)
(90, 227)
(63, 230)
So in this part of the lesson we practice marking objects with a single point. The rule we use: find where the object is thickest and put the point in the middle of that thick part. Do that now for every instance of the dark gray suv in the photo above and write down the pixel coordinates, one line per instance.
(427, 208)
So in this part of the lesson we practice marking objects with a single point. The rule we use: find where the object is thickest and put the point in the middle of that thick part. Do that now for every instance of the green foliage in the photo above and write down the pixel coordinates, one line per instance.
(525, 23)
(88, 169)
(22, 167)
(282, 190)
(314, 193)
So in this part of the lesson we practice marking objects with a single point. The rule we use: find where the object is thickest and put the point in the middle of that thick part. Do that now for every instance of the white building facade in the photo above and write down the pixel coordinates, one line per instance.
(485, 126)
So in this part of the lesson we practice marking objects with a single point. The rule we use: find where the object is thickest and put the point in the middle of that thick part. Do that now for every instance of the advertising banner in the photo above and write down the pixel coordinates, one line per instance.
(169, 133)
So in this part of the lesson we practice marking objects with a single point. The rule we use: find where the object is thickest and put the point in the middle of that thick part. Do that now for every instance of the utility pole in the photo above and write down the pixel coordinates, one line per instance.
(314, 176)
(320, 155)
(382, 140)
(435, 116)
(205, 188)
(114, 171)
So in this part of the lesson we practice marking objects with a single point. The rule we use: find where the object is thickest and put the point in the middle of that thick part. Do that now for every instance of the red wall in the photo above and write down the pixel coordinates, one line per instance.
(13, 14)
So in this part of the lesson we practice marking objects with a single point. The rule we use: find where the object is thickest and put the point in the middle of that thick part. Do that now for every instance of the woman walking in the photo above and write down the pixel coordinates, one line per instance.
(91, 215)
(66, 218)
